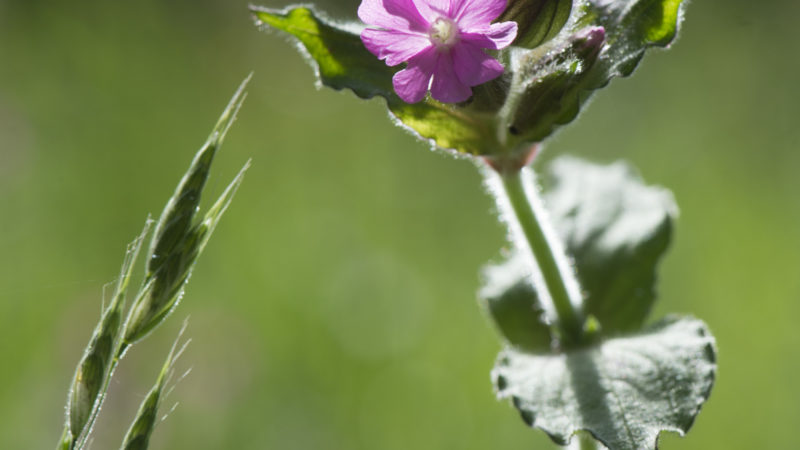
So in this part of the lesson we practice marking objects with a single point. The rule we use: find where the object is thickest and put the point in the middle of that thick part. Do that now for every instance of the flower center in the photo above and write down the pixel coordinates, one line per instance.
(443, 33)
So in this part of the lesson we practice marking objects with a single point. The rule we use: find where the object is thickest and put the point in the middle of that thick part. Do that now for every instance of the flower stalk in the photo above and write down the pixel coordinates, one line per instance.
(525, 211)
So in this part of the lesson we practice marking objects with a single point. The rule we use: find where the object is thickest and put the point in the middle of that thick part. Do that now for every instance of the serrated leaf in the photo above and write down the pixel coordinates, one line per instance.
(341, 61)
(616, 229)
(511, 301)
(624, 391)
(338, 55)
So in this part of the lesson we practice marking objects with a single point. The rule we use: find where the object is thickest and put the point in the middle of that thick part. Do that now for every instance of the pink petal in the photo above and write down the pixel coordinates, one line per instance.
(411, 83)
(446, 86)
(473, 66)
(499, 35)
(477, 14)
(393, 46)
(399, 15)
(434, 9)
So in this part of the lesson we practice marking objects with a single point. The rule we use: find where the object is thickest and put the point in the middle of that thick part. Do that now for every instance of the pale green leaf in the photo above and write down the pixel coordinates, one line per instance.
(624, 391)
(616, 229)
(511, 301)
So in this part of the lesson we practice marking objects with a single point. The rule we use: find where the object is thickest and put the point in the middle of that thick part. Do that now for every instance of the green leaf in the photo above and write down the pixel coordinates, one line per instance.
(341, 61)
(548, 88)
(616, 229)
(337, 54)
(554, 92)
(511, 301)
(543, 87)
(538, 20)
(624, 391)
(632, 26)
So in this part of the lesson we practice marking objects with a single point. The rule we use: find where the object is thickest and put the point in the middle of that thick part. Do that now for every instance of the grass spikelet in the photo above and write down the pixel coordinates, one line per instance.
(178, 238)
(87, 388)
(138, 435)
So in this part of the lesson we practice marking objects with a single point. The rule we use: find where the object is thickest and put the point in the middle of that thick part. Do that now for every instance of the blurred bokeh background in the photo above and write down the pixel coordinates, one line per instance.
(335, 307)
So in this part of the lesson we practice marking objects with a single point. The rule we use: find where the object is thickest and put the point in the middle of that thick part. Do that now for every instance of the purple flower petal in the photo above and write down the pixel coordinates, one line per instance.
(446, 86)
(499, 35)
(473, 66)
(394, 46)
(411, 83)
(400, 15)
(440, 39)
(477, 14)
(434, 9)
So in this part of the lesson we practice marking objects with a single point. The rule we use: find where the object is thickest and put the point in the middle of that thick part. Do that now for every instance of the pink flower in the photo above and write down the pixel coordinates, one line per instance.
(440, 39)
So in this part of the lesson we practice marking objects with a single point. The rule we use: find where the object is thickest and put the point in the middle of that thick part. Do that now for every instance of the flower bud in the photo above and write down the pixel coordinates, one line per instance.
(588, 42)
(552, 96)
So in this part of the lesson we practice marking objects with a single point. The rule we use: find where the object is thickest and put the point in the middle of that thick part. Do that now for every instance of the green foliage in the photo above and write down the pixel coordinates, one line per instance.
(342, 62)
(615, 229)
(178, 240)
(547, 89)
(511, 300)
(555, 93)
(340, 59)
(632, 26)
(538, 20)
(624, 391)
(621, 384)
(544, 87)
(87, 390)
(138, 435)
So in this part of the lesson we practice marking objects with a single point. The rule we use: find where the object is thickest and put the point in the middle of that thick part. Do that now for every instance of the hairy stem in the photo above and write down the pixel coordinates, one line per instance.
(557, 276)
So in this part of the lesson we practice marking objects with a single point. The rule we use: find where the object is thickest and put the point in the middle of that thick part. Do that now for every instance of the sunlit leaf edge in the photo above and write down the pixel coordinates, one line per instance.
(447, 126)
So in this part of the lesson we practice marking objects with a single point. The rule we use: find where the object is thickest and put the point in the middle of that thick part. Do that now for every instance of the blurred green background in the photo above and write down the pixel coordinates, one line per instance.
(335, 307)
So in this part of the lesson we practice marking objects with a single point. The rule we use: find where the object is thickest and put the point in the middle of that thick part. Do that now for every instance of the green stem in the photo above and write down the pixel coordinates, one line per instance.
(557, 276)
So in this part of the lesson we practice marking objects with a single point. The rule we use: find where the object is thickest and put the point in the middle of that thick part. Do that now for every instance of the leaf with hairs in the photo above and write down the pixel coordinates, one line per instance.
(624, 391)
